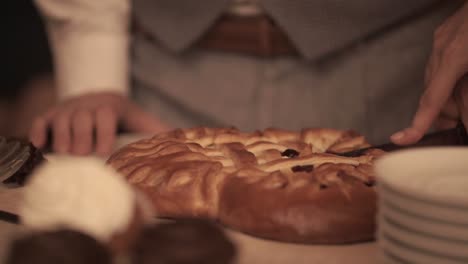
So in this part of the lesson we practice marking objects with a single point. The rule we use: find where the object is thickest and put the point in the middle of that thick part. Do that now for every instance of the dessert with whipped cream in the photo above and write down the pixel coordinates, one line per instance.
(83, 194)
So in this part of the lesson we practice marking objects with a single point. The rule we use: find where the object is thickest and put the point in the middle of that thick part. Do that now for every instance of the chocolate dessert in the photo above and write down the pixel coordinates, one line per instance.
(183, 242)
(18, 158)
(64, 246)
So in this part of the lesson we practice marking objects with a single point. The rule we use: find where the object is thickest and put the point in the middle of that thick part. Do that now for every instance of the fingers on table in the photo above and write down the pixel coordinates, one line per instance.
(82, 130)
(106, 127)
(78, 131)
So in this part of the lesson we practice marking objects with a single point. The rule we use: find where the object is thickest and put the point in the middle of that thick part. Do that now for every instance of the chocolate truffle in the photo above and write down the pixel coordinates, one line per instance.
(58, 247)
(183, 242)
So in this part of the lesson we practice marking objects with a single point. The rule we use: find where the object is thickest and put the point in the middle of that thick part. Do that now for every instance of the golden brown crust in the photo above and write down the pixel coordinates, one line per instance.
(276, 184)
(180, 182)
(332, 207)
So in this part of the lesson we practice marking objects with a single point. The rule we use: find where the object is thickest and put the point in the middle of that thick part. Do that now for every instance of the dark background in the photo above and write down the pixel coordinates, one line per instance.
(25, 68)
(26, 52)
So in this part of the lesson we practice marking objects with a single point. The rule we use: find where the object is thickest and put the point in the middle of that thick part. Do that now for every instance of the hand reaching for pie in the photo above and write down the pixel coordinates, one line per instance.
(445, 100)
(75, 123)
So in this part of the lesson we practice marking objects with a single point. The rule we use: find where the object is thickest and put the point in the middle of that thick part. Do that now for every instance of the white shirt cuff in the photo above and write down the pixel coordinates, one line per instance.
(90, 62)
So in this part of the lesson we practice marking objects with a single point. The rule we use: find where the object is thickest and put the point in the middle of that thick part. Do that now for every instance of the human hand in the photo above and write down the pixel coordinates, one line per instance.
(446, 94)
(89, 122)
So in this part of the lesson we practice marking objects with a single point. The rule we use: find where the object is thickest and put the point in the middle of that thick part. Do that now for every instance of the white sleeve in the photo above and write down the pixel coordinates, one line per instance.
(89, 41)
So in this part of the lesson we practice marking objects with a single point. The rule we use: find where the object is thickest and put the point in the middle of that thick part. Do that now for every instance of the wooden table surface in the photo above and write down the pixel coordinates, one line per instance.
(251, 250)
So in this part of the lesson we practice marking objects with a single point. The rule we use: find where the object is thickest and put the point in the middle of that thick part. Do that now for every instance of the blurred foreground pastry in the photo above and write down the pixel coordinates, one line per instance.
(58, 247)
(183, 242)
(85, 195)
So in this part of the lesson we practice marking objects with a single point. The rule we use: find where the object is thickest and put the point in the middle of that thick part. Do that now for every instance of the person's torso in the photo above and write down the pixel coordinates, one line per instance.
(317, 27)
(372, 87)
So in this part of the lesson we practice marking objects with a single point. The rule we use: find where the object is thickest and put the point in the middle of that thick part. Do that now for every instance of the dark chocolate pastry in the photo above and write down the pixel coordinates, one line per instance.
(18, 158)
(58, 247)
(183, 242)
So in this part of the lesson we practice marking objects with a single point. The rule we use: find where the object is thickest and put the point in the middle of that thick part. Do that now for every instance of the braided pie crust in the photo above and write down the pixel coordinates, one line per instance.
(275, 184)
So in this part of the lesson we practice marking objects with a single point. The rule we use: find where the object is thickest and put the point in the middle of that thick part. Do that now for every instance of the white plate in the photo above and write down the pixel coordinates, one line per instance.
(418, 223)
(385, 258)
(426, 242)
(436, 174)
(427, 209)
(411, 254)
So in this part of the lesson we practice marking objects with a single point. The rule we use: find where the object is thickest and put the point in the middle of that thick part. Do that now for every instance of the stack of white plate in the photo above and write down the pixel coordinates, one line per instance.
(423, 206)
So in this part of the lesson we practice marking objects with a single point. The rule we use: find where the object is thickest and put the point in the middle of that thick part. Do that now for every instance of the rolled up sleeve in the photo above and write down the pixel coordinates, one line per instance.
(89, 40)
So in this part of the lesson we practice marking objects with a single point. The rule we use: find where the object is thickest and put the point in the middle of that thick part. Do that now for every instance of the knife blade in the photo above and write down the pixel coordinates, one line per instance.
(450, 137)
